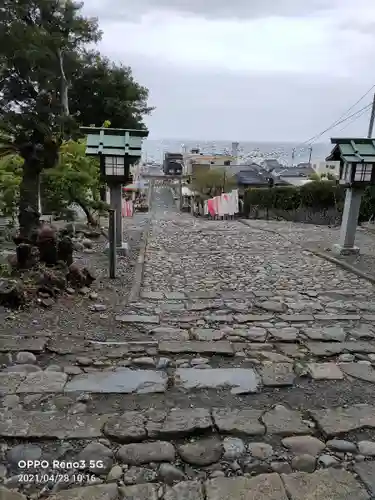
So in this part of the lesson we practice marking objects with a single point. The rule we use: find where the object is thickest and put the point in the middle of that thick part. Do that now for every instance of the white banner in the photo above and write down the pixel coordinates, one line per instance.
(236, 201)
(225, 204)
(206, 207)
(128, 208)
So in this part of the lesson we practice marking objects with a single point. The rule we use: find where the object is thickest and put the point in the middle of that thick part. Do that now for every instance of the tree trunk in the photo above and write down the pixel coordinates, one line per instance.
(64, 86)
(29, 216)
(90, 219)
(103, 194)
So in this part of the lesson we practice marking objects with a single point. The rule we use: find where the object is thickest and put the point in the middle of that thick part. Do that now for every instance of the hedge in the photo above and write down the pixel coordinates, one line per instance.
(315, 196)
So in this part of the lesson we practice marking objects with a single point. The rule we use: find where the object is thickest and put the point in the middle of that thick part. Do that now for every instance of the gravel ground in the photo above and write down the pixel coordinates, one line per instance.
(71, 316)
(322, 238)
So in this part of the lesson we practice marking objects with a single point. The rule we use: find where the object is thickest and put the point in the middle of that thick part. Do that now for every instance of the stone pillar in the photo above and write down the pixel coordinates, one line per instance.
(349, 223)
(116, 204)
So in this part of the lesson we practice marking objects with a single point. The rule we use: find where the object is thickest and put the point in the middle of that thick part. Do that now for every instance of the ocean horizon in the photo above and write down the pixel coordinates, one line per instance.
(154, 149)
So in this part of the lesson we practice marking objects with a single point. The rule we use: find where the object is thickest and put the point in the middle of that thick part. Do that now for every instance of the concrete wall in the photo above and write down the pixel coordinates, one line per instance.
(327, 167)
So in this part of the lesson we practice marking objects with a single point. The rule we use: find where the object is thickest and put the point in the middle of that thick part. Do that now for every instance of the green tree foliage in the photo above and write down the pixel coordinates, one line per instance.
(75, 180)
(10, 180)
(212, 182)
(50, 84)
(38, 41)
(103, 91)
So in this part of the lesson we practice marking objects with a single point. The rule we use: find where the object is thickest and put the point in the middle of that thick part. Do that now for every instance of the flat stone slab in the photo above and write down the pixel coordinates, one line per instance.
(175, 295)
(6, 494)
(203, 294)
(15, 344)
(262, 487)
(39, 424)
(128, 427)
(134, 318)
(332, 484)
(219, 318)
(9, 382)
(284, 422)
(122, 380)
(239, 422)
(335, 421)
(42, 382)
(139, 492)
(133, 426)
(269, 305)
(338, 317)
(208, 334)
(288, 334)
(252, 318)
(296, 318)
(238, 380)
(325, 371)
(144, 453)
(330, 334)
(366, 471)
(95, 492)
(152, 295)
(169, 333)
(220, 347)
(182, 422)
(186, 490)
(333, 348)
(359, 370)
(168, 307)
(277, 374)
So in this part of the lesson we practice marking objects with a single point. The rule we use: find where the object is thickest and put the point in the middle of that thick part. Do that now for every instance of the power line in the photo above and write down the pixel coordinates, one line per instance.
(339, 120)
(354, 119)
(365, 108)
(315, 138)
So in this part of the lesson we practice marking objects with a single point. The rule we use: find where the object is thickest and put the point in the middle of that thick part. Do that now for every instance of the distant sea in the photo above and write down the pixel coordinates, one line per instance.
(256, 151)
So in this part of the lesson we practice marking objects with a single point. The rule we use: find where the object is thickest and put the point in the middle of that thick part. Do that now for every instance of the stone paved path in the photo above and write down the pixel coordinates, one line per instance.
(246, 372)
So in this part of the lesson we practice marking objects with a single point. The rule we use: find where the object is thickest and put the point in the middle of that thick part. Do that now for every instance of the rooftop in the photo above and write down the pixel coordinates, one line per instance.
(353, 150)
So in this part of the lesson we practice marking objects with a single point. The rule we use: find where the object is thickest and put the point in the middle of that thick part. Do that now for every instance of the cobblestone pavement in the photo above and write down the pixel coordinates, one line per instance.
(246, 373)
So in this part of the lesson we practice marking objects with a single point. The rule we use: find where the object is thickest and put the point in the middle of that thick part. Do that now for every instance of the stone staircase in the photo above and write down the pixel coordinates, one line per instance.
(235, 396)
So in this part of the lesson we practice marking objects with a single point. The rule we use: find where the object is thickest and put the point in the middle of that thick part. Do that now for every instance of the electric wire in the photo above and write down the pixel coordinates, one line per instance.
(340, 120)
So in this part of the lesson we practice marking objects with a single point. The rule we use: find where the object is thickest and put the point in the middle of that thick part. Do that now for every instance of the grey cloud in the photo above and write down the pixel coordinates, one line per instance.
(366, 27)
(240, 9)
(218, 105)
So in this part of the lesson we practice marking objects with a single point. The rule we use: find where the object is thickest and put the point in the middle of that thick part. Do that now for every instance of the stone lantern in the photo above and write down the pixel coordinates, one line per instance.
(357, 171)
(117, 149)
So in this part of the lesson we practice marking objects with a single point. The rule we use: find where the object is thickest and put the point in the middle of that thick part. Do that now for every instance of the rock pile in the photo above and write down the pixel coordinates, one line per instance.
(42, 268)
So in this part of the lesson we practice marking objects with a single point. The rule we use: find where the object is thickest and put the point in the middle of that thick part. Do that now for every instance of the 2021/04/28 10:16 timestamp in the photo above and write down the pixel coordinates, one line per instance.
(56, 478)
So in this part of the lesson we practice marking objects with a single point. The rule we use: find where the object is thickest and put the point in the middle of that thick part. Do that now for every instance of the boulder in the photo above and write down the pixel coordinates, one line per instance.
(79, 276)
(65, 248)
(12, 293)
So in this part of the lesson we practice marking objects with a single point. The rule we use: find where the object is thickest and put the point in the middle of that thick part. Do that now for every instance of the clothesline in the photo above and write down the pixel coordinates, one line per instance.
(225, 204)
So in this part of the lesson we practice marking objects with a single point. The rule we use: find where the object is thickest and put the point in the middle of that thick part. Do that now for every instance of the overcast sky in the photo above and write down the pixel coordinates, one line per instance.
(255, 70)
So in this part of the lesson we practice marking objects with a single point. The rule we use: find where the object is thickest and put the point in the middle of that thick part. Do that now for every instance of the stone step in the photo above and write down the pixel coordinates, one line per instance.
(177, 313)
(333, 484)
(135, 426)
(190, 375)
(197, 444)
(226, 341)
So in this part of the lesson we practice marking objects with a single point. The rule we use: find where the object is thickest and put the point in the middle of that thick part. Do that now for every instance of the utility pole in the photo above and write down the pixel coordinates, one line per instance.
(372, 119)
(310, 154)
(293, 156)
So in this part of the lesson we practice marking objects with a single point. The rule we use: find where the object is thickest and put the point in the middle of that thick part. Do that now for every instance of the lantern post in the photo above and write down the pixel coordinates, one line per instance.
(357, 171)
(118, 150)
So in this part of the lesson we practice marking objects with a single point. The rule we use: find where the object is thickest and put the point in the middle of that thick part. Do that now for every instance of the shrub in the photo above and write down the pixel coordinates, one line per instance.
(316, 195)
